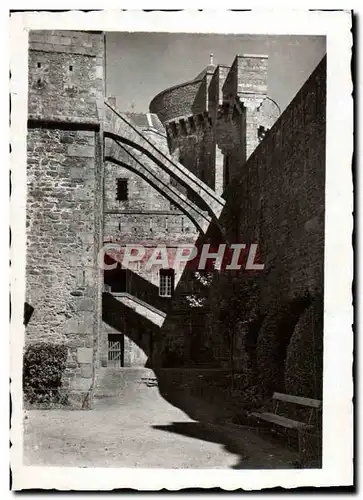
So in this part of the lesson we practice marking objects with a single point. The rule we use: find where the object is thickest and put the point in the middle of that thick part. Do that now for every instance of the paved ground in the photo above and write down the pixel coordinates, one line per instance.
(138, 428)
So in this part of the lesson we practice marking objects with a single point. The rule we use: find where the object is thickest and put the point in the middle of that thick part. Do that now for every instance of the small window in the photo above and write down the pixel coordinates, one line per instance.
(166, 282)
(39, 65)
(122, 190)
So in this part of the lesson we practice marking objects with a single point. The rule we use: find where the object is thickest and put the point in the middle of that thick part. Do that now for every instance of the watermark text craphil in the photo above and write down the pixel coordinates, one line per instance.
(207, 257)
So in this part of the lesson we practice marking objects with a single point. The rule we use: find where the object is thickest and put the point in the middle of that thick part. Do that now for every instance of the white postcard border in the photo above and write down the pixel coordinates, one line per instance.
(338, 337)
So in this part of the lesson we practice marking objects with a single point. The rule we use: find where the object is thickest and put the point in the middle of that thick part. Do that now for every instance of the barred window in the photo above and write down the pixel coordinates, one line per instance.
(122, 190)
(166, 282)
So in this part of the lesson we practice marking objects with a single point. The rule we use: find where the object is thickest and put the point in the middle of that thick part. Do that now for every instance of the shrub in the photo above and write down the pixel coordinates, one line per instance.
(43, 366)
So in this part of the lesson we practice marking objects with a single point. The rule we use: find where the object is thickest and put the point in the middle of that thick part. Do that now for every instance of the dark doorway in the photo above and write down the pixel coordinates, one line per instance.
(115, 350)
(116, 279)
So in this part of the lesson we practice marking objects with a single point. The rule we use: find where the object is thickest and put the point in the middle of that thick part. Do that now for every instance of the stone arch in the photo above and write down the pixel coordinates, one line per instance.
(120, 130)
(127, 160)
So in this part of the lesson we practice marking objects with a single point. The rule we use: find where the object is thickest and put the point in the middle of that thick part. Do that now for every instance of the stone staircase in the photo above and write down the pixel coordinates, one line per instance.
(122, 132)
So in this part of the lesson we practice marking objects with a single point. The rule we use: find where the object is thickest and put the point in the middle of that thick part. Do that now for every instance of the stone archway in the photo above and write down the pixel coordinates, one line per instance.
(119, 129)
(124, 157)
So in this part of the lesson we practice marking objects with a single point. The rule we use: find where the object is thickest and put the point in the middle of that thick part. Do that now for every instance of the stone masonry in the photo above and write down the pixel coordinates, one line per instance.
(66, 87)
(217, 137)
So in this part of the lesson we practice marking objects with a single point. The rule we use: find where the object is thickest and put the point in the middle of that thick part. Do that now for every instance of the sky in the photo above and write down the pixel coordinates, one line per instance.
(140, 65)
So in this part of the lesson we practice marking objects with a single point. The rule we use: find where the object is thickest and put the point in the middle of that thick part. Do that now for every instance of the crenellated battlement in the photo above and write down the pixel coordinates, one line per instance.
(245, 80)
(192, 124)
(224, 111)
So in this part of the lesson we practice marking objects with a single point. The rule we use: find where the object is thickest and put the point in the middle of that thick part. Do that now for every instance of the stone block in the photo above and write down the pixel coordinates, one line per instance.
(36, 37)
(71, 326)
(86, 370)
(90, 276)
(84, 355)
(64, 40)
(81, 150)
(77, 172)
(81, 384)
(99, 71)
(86, 325)
(85, 304)
(87, 238)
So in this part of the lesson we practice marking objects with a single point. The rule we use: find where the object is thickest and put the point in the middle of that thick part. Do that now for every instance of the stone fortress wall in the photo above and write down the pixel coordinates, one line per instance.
(222, 127)
(271, 171)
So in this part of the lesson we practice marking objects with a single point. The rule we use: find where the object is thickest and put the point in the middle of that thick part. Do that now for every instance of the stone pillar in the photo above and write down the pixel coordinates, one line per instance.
(219, 171)
(251, 91)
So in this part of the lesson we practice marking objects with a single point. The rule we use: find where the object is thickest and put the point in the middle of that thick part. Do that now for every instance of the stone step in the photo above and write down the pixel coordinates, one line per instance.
(113, 381)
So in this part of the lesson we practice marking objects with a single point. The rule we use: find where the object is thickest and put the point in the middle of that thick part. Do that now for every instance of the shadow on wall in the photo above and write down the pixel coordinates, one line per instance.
(216, 336)
(266, 328)
(28, 312)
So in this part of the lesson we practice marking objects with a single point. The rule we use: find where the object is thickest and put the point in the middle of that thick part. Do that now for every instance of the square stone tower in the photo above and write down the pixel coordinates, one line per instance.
(64, 196)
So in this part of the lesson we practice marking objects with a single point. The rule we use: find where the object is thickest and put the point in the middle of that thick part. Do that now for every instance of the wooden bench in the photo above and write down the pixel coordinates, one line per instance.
(288, 423)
